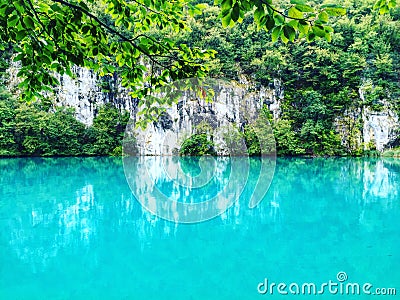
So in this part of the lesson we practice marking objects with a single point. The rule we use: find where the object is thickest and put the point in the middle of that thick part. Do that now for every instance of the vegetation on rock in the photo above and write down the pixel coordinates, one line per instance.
(27, 130)
(323, 56)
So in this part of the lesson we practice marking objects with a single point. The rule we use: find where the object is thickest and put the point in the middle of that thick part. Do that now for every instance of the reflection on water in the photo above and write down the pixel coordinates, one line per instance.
(190, 190)
(52, 208)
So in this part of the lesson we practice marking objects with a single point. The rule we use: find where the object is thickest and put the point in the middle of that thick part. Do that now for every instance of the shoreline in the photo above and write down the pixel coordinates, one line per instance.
(382, 155)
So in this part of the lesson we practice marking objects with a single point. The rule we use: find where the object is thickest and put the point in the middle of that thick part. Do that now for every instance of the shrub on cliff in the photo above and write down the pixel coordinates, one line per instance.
(197, 145)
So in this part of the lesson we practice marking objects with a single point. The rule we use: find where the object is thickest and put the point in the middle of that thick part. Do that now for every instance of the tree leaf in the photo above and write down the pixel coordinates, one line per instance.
(295, 13)
(259, 12)
(328, 37)
(12, 21)
(310, 36)
(304, 8)
(235, 12)
(294, 24)
(279, 19)
(245, 5)
(392, 4)
(283, 37)
(21, 34)
(270, 23)
(289, 33)
(226, 20)
(323, 17)
(304, 28)
(224, 13)
(318, 30)
(226, 5)
(275, 33)
(384, 10)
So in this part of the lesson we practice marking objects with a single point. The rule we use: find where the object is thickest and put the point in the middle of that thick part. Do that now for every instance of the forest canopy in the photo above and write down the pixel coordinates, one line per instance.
(136, 37)
(322, 54)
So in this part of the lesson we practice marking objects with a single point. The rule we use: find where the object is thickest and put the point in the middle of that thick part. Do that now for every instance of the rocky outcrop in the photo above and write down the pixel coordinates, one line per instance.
(87, 91)
(364, 128)
(232, 107)
(358, 128)
(380, 128)
(232, 102)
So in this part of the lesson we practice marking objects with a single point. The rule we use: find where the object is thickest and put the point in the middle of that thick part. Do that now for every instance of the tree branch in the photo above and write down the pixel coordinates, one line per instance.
(101, 23)
(283, 14)
(121, 36)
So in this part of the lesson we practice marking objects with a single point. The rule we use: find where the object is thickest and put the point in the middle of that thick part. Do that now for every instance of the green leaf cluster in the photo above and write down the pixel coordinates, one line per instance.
(197, 145)
(28, 130)
(285, 21)
(133, 38)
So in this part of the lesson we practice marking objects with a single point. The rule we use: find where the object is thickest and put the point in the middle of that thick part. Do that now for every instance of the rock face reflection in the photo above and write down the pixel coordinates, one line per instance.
(190, 190)
(67, 205)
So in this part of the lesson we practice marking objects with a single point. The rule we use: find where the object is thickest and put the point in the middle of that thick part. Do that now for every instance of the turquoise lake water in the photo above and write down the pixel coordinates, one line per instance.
(70, 228)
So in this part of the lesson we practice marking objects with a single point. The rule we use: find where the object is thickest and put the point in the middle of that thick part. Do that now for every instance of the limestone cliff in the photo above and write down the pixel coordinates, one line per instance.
(361, 127)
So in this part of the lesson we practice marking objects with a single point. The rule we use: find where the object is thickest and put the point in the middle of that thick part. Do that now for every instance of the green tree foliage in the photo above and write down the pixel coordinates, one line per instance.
(134, 36)
(150, 43)
(384, 6)
(200, 143)
(107, 131)
(321, 80)
(47, 134)
(197, 145)
(27, 130)
(8, 145)
(259, 135)
(287, 142)
(138, 38)
(285, 21)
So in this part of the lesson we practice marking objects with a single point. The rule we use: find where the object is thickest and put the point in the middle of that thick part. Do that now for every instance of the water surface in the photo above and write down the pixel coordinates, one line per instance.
(70, 228)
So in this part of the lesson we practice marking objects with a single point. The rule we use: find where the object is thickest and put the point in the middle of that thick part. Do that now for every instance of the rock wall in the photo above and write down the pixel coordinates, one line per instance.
(231, 102)
(85, 93)
(364, 127)
(380, 128)
(88, 91)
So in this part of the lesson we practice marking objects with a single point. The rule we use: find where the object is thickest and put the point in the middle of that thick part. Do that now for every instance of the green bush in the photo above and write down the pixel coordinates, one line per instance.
(391, 153)
(41, 133)
(29, 130)
(259, 135)
(197, 145)
(107, 131)
(287, 142)
(8, 145)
